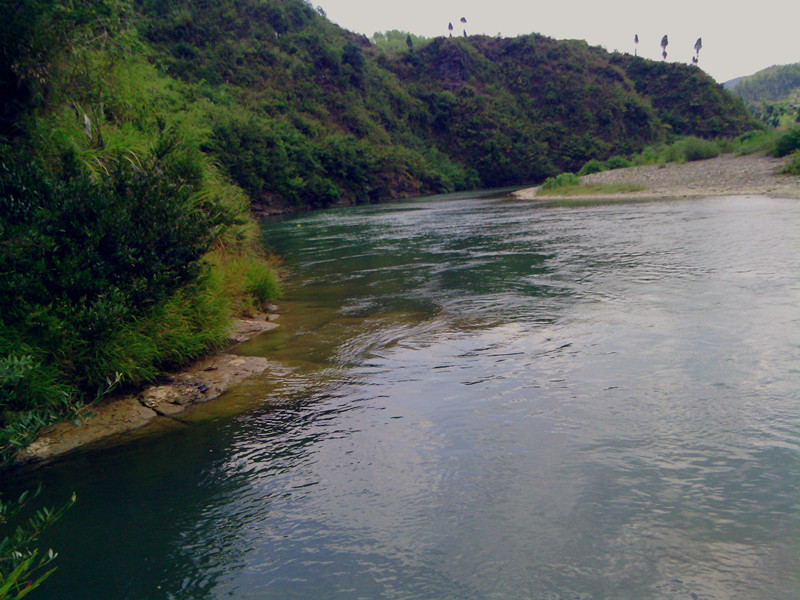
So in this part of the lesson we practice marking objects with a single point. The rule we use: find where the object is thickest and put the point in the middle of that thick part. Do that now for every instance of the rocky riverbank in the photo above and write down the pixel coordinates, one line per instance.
(201, 381)
(725, 175)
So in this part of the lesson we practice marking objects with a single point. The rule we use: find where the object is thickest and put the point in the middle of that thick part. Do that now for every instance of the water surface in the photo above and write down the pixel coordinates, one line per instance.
(481, 398)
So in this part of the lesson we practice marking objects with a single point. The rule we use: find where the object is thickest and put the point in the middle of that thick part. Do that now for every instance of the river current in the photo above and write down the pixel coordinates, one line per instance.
(475, 397)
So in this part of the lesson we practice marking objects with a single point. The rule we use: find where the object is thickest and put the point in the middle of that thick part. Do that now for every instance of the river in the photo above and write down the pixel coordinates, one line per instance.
(475, 397)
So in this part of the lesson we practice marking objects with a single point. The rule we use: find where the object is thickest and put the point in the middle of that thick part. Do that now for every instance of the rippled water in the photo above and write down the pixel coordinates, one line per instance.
(481, 398)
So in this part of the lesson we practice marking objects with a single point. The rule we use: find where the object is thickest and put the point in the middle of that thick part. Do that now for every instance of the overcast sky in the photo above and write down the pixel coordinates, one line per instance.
(738, 39)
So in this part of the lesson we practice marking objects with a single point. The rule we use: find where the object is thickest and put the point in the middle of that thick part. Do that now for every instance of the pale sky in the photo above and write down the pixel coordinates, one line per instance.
(738, 38)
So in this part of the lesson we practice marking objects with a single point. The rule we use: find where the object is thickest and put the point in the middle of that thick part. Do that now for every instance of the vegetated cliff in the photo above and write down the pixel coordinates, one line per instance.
(307, 114)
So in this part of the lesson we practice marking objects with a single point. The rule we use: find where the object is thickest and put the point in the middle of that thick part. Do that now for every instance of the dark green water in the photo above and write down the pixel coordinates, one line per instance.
(480, 398)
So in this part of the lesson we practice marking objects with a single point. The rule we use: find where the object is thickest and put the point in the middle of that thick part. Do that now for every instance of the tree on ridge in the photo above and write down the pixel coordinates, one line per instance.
(697, 46)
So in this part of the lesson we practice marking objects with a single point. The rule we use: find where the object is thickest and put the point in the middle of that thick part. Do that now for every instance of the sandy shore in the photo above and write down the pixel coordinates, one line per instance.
(725, 175)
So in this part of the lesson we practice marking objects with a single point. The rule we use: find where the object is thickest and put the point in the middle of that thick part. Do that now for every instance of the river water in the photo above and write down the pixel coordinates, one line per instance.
(475, 397)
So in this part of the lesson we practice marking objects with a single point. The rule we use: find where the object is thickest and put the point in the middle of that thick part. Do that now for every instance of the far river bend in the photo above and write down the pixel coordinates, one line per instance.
(479, 398)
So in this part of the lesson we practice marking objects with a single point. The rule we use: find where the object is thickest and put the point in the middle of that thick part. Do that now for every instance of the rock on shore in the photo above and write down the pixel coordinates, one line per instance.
(203, 380)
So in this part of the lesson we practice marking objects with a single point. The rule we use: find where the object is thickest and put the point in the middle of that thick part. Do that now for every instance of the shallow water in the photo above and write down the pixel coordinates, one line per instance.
(477, 397)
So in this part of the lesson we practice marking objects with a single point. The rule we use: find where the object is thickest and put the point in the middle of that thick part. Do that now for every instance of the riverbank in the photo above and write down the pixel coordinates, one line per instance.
(203, 380)
(725, 175)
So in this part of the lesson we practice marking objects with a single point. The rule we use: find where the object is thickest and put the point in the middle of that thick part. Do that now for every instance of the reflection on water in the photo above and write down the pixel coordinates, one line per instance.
(481, 398)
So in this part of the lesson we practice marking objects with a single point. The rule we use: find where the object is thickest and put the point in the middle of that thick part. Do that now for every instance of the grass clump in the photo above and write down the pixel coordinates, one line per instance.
(560, 181)
(691, 149)
(248, 279)
(571, 185)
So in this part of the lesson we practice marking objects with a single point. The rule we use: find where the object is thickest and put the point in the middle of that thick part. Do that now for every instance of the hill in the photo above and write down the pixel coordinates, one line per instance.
(779, 82)
(345, 121)
(732, 83)
(773, 94)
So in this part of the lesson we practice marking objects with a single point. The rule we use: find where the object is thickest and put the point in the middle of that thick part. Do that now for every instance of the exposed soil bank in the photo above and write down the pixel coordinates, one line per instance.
(201, 381)
(725, 175)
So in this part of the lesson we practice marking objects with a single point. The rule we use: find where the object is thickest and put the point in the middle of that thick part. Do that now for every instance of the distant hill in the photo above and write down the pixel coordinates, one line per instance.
(772, 95)
(776, 83)
(731, 83)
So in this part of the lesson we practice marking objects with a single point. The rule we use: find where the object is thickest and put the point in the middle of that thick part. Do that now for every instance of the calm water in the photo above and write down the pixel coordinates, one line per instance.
(479, 398)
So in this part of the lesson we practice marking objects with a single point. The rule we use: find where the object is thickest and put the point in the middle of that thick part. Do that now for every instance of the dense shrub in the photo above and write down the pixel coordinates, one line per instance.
(561, 180)
(787, 143)
(690, 149)
(100, 277)
(793, 167)
(618, 162)
(592, 166)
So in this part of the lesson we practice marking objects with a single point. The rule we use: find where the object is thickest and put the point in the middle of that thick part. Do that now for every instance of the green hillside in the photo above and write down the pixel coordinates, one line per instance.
(772, 95)
(780, 82)
(346, 121)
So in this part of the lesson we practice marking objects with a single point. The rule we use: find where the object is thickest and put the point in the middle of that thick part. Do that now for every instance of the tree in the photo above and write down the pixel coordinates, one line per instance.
(464, 22)
(697, 46)
(450, 29)
(664, 44)
(409, 42)
(635, 44)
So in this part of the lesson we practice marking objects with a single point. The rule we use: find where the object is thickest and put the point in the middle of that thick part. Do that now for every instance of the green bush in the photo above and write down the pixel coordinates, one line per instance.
(592, 166)
(699, 149)
(617, 162)
(101, 276)
(787, 143)
(561, 180)
(691, 149)
(649, 156)
(793, 167)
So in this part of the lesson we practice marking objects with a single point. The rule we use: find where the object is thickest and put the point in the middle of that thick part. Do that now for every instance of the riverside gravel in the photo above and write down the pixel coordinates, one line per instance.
(725, 175)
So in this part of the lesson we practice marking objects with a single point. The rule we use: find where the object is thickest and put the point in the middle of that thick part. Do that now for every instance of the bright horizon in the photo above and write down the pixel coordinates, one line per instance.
(735, 42)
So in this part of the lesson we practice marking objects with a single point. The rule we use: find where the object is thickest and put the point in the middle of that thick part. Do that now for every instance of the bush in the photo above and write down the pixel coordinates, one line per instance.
(617, 162)
(699, 149)
(561, 180)
(649, 156)
(787, 143)
(691, 149)
(793, 167)
(592, 166)
(101, 277)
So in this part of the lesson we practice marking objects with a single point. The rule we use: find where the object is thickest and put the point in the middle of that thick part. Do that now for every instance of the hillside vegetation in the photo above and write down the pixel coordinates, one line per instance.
(136, 137)
(346, 121)
(772, 95)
